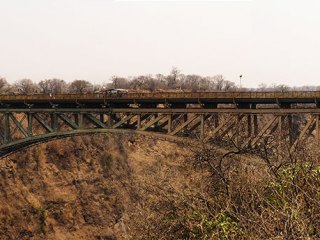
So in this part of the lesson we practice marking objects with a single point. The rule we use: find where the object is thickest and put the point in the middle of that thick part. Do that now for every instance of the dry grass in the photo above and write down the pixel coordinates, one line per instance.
(130, 187)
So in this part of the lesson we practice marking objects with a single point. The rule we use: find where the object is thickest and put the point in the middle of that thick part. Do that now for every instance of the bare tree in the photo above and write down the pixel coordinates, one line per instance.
(173, 81)
(52, 85)
(80, 86)
(4, 85)
(262, 87)
(151, 84)
(137, 83)
(218, 82)
(26, 86)
(229, 86)
(161, 81)
(119, 82)
(191, 82)
(221, 84)
(145, 82)
(281, 87)
(173, 78)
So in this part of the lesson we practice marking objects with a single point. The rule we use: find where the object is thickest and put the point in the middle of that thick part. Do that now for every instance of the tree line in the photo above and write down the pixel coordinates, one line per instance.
(47, 86)
(175, 80)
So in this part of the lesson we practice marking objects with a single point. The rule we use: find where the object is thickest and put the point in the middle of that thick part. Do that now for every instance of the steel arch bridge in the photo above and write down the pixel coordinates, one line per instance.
(291, 116)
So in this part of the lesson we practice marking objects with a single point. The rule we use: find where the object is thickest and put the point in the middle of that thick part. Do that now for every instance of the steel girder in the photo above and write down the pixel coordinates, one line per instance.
(23, 128)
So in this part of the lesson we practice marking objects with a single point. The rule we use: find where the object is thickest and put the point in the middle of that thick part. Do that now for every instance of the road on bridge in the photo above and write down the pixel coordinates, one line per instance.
(243, 100)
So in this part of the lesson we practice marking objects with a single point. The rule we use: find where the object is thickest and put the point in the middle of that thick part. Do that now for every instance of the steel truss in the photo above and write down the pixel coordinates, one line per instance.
(22, 128)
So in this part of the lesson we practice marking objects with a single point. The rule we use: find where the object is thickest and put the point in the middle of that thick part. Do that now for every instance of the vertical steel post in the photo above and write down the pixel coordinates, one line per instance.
(202, 126)
(317, 130)
(255, 121)
(54, 121)
(216, 120)
(185, 117)
(255, 124)
(76, 119)
(139, 121)
(249, 120)
(280, 124)
(29, 114)
(283, 125)
(169, 123)
(280, 128)
(290, 126)
(101, 116)
(110, 120)
(79, 119)
(7, 137)
(157, 123)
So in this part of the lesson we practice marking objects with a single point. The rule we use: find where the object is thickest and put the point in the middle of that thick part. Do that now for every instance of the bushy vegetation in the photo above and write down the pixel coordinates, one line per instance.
(244, 198)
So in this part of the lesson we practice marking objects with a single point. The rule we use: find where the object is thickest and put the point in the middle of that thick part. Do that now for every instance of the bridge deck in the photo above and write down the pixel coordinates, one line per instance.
(69, 100)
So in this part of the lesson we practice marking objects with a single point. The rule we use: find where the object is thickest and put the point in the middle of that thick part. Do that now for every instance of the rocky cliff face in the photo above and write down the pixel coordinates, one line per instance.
(89, 187)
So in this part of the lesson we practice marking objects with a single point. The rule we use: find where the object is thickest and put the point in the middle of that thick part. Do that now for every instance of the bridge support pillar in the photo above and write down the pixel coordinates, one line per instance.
(30, 123)
(255, 121)
(280, 127)
(6, 128)
(54, 122)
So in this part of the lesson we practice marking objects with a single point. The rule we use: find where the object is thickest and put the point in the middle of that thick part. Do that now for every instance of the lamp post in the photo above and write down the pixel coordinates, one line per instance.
(240, 82)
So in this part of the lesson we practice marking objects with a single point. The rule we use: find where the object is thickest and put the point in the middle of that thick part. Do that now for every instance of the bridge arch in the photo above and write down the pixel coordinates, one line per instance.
(16, 146)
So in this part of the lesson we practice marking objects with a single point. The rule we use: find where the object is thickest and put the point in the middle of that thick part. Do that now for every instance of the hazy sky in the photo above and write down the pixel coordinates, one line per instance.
(271, 41)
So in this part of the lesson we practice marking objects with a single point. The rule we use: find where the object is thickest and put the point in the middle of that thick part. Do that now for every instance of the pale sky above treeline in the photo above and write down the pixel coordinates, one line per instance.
(270, 41)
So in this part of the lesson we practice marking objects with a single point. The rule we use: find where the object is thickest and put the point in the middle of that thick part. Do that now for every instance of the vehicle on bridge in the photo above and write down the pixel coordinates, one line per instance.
(116, 91)
(112, 92)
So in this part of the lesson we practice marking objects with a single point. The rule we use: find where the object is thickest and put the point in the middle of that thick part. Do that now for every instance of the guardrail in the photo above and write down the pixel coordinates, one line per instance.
(169, 95)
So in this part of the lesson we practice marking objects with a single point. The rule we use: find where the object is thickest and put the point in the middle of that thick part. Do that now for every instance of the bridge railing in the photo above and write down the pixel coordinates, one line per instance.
(167, 95)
